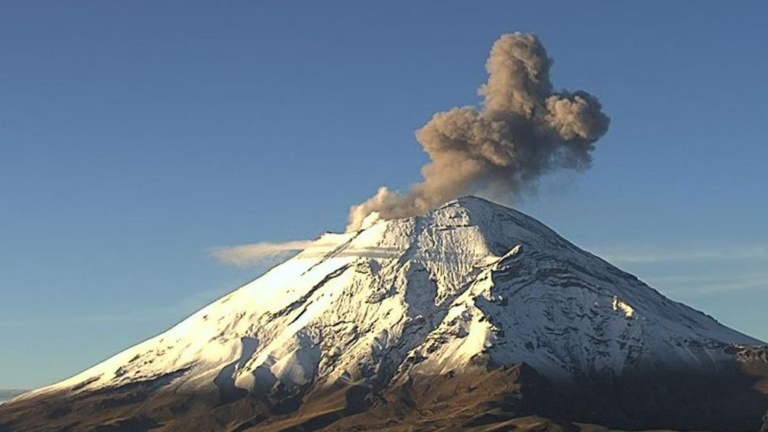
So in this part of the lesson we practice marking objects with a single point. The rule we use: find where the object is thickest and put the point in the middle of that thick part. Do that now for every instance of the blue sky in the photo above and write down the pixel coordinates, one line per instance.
(137, 136)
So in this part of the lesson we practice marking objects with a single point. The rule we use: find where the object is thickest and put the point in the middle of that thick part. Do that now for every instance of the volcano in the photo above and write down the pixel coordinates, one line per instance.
(471, 317)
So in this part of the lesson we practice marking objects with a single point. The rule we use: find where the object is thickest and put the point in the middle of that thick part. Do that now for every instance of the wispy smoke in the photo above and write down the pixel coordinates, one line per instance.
(266, 253)
(524, 130)
(258, 253)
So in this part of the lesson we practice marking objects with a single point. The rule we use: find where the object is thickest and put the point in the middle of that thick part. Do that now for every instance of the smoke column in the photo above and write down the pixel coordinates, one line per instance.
(523, 130)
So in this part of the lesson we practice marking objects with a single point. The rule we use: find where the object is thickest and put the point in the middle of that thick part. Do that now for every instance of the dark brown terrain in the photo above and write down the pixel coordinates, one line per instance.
(483, 398)
(550, 337)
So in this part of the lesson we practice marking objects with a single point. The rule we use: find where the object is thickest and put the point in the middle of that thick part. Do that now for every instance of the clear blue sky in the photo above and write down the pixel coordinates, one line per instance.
(135, 136)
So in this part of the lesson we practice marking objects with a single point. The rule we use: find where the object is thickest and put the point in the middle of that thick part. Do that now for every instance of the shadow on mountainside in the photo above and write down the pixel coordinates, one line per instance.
(482, 398)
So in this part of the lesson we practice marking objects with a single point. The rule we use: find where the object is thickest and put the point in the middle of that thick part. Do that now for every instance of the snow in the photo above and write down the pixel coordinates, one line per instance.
(423, 295)
(624, 307)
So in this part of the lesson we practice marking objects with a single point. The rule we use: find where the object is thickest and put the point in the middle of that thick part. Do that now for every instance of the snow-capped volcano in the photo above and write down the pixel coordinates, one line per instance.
(468, 288)
(428, 295)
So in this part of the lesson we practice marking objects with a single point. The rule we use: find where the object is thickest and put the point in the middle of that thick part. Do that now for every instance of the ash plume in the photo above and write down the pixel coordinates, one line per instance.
(523, 130)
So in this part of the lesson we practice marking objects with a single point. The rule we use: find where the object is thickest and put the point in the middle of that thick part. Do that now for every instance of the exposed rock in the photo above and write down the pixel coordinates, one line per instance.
(473, 316)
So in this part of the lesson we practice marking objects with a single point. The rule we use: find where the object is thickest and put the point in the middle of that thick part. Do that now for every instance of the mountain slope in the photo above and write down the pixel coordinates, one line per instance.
(9, 393)
(467, 289)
